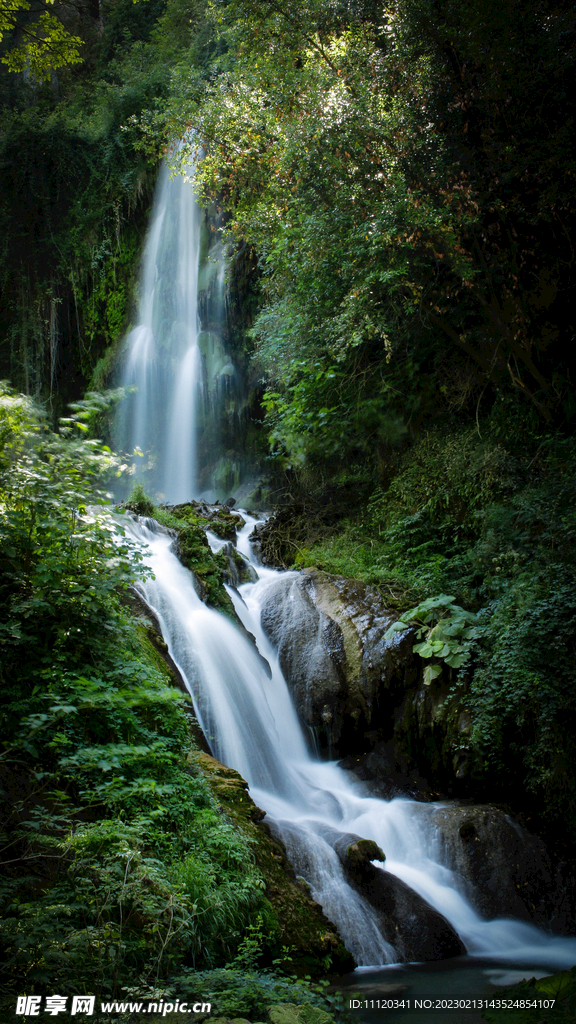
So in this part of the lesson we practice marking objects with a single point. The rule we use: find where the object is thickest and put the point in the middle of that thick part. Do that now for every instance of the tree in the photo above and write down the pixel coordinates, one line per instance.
(43, 41)
(410, 209)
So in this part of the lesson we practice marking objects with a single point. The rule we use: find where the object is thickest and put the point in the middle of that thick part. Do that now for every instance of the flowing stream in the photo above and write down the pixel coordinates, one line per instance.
(246, 711)
(251, 724)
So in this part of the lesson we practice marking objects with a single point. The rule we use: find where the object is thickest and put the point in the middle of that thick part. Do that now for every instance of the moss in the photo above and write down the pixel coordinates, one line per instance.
(152, 654)
(210, 570)
(106, 309)
(240, 564)
(312, 941)
(224, 525)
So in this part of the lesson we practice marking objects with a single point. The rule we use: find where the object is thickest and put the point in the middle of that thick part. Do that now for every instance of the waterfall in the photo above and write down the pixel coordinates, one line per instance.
(252, 726)
(175, 362)
(248, 717)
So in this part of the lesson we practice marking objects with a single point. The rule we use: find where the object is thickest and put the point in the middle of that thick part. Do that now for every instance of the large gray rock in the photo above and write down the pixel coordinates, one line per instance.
(508, 870)
(408, 922)
(329, 633)
(364, 696)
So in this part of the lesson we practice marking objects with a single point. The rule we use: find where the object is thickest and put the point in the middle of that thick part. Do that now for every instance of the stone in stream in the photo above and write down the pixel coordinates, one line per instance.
(416, 930)
(408, 922)
(357, 856)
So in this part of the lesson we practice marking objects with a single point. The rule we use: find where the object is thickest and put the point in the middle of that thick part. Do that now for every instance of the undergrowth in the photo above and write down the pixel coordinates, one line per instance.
(116, 863)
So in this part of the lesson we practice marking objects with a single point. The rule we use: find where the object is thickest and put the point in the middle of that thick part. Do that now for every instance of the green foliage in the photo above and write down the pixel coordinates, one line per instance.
(52, 544)
(74, 194)
(559, 988)
(522, 693)
(251, 995)
(46, 43)
(404, 235)
(445, 631)
(117, 865)
(106, 311)
(291, 1013)
(139, 502)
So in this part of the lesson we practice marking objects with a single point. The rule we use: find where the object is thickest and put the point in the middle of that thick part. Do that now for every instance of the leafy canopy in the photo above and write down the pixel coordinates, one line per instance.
(46, 42)
(405, 234)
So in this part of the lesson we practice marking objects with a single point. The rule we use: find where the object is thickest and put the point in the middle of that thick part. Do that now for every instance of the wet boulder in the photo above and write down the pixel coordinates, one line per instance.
(310, 651)
(237, 568)
(415, 929)
(356, 854)
(507, 871)
(407, 921)
(342, 673)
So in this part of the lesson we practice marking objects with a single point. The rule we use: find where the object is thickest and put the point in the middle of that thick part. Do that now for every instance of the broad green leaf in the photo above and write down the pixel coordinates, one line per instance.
(396, 627)
(557, 985)
(425, 650)
(431, 672)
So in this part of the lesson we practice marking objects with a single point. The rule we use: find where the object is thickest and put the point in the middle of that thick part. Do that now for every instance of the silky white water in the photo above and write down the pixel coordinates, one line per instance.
(162, 362)
(251, 725)
(177, 374)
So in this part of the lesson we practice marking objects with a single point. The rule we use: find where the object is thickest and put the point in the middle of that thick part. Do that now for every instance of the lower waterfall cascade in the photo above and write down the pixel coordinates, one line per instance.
(251, 725)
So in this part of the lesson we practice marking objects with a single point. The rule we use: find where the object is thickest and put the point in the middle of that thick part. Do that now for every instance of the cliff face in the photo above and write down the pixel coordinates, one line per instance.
(362, 694)
(366, 701)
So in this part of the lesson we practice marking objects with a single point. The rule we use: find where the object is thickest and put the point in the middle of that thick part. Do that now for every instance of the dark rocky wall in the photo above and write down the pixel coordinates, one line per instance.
(364, 696)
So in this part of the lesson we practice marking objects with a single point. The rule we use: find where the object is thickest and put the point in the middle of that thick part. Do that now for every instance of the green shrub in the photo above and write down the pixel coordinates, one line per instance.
(445, 632)
(117, 864)
(250, 994)
(139, 502)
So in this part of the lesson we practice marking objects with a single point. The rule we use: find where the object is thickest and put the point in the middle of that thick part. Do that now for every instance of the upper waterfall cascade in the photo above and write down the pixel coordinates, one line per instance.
(249, 718)
(175, 360)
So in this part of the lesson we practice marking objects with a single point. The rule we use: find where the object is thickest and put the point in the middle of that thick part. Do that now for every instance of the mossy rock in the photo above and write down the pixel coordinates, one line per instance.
(155, 649)
(193, 547)
(235, 567)
(218, 518)
(243, 569)
(359, 855)
(225, 525)
(314, 945)
(210, 571)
